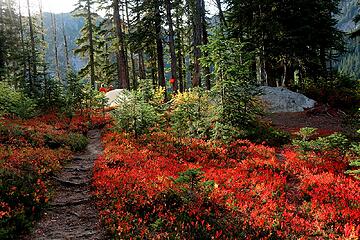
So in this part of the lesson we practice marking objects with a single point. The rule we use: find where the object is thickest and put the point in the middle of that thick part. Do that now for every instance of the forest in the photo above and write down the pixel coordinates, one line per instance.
(180, 119)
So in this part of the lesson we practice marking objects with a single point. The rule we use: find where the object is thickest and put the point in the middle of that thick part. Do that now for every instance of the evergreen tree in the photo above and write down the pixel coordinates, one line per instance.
(10, 43)
(86, 43)
(122, 67)
(169, 8)
(287, 36)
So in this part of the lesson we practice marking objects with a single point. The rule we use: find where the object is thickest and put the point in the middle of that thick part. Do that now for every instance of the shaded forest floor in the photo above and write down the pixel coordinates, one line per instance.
(326, 123)
(72, 213)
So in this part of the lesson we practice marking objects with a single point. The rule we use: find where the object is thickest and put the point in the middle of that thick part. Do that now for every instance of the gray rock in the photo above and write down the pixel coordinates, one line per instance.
(115, 95)
(280, 99)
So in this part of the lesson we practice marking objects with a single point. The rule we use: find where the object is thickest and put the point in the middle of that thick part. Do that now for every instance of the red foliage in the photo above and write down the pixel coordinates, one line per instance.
(244, 191)
(26, 159)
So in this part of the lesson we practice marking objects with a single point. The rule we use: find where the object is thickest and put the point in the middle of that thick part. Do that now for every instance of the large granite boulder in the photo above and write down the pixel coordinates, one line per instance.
(280, 99)
(115, 95)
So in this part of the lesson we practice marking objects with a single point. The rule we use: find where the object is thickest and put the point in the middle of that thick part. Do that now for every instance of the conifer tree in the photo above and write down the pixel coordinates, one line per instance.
(122, 68)
(169, 8)
(86, 41)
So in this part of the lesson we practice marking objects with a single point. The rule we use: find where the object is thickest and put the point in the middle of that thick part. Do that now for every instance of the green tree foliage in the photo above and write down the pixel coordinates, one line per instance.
(10, 43)
(87, 41)
(134, 114)
(16, 103)
(192, 113)
(355, 163)
(235, 85)
(287, 36)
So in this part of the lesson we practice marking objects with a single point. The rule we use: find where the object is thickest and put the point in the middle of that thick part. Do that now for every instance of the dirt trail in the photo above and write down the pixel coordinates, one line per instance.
(72, 213)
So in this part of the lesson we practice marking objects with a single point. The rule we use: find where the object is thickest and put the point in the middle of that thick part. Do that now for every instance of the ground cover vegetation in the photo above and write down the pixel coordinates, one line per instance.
(178, 179)
(186, 152)
(33, 147)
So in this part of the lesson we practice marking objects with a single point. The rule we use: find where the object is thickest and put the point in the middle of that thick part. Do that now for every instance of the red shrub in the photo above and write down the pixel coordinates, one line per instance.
(239, 190)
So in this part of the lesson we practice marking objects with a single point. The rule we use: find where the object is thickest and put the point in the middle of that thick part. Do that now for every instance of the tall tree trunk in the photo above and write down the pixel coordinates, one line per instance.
(159, 47)
(1, 15)
(91, 44)
(180, 56)
(284, 73)
(153, 64)
(120, 54)
(32, 62)
(22, 42)
(55, 47)
(205, 41)
(133, 68)
(172, 44)
(42, 37)
(43, 63)
(2, 38)
(323, 60)
(221, 13)
(258, 70)
(179, 48)
(66, 48)
(197, 32)
(142, 70)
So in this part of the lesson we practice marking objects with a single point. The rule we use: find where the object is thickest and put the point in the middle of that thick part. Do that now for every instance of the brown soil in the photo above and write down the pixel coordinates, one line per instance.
(72, 213)
(292, 122)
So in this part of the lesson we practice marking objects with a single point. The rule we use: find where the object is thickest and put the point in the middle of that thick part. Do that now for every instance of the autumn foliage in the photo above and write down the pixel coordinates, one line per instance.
(162, 187)
(30, 150)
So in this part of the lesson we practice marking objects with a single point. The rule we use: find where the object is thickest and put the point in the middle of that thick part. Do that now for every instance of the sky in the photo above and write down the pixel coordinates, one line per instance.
(65, 6)
(55, 6)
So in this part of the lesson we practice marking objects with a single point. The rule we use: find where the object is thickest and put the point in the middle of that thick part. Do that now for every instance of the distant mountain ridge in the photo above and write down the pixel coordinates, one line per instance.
(349, 63)
(72, 27)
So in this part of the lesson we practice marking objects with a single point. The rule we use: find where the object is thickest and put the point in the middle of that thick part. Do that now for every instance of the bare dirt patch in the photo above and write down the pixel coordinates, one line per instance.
(292, 122)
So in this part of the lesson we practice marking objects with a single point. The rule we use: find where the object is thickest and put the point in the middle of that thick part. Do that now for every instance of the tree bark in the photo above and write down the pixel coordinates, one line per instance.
(172, 44)
(221, 13)
(197, 31)
(284, 73)
(55, 47)
(120, 54)
(91, 44)
(142, 70)
(32, 63)
(205, 42)
(180, 56)
(22, 42)
(133, 68)
(159, 47)
(2, 38)
(66, 48)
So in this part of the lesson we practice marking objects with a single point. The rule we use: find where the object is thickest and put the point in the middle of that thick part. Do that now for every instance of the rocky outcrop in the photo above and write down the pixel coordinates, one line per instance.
(280, 99)
(112, 96)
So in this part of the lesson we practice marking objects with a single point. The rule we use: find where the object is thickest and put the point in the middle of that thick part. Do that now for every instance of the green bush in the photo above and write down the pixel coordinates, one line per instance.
(271, 136)
(192, 114)
(331, 142)
(235, 85)
(15, 102)
(76, 141)
(134, 114)
(225, 132)
(355, 162)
